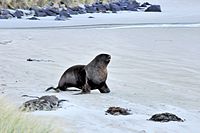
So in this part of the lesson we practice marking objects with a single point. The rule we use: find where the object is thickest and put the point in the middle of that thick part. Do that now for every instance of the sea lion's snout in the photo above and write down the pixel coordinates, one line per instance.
(103, 57)
(108, 58)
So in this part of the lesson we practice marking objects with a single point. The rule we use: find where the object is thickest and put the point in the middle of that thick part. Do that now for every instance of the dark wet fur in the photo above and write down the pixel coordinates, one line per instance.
(86, 77)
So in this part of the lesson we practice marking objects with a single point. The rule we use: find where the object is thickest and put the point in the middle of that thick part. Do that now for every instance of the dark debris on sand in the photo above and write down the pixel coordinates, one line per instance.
(33, 18)
(118, 111)
(165, 117)
(37, 60)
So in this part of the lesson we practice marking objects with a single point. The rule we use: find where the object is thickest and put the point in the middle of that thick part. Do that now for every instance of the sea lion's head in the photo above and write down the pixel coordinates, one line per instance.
(103, 59)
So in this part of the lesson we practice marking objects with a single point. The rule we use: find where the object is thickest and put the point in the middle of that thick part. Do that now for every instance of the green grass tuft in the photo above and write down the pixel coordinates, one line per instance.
(25, 4)
(14, 121)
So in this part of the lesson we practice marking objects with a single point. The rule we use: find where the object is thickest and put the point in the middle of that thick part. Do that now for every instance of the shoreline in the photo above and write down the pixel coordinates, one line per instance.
(132, 19)
(115, 26)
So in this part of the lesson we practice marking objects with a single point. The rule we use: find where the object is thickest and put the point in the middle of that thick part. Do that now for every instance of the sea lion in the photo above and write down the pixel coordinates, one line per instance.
(86, 77)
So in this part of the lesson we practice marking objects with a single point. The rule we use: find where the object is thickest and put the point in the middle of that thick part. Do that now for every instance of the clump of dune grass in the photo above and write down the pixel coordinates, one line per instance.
(14, 121)
(25, 4)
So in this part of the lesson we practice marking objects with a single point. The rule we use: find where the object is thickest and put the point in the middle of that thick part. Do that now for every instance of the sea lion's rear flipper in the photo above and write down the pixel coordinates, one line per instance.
(104, 89)
(85, 90)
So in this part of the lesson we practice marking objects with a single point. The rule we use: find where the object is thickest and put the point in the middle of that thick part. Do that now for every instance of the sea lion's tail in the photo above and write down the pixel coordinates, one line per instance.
(52, 88)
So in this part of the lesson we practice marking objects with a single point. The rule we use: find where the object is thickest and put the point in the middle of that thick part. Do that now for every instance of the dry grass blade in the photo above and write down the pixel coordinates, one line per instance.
(13, 4)
(14, 121)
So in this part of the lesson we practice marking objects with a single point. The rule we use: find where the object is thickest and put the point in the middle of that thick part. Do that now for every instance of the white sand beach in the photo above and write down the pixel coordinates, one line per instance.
(154, 68)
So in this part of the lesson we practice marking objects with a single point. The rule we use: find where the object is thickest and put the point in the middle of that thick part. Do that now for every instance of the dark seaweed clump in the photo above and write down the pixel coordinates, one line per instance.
(165, 117)
(118, 111)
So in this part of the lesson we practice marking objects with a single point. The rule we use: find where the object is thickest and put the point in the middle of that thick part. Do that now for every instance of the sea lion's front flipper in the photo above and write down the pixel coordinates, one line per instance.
(104, 89)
